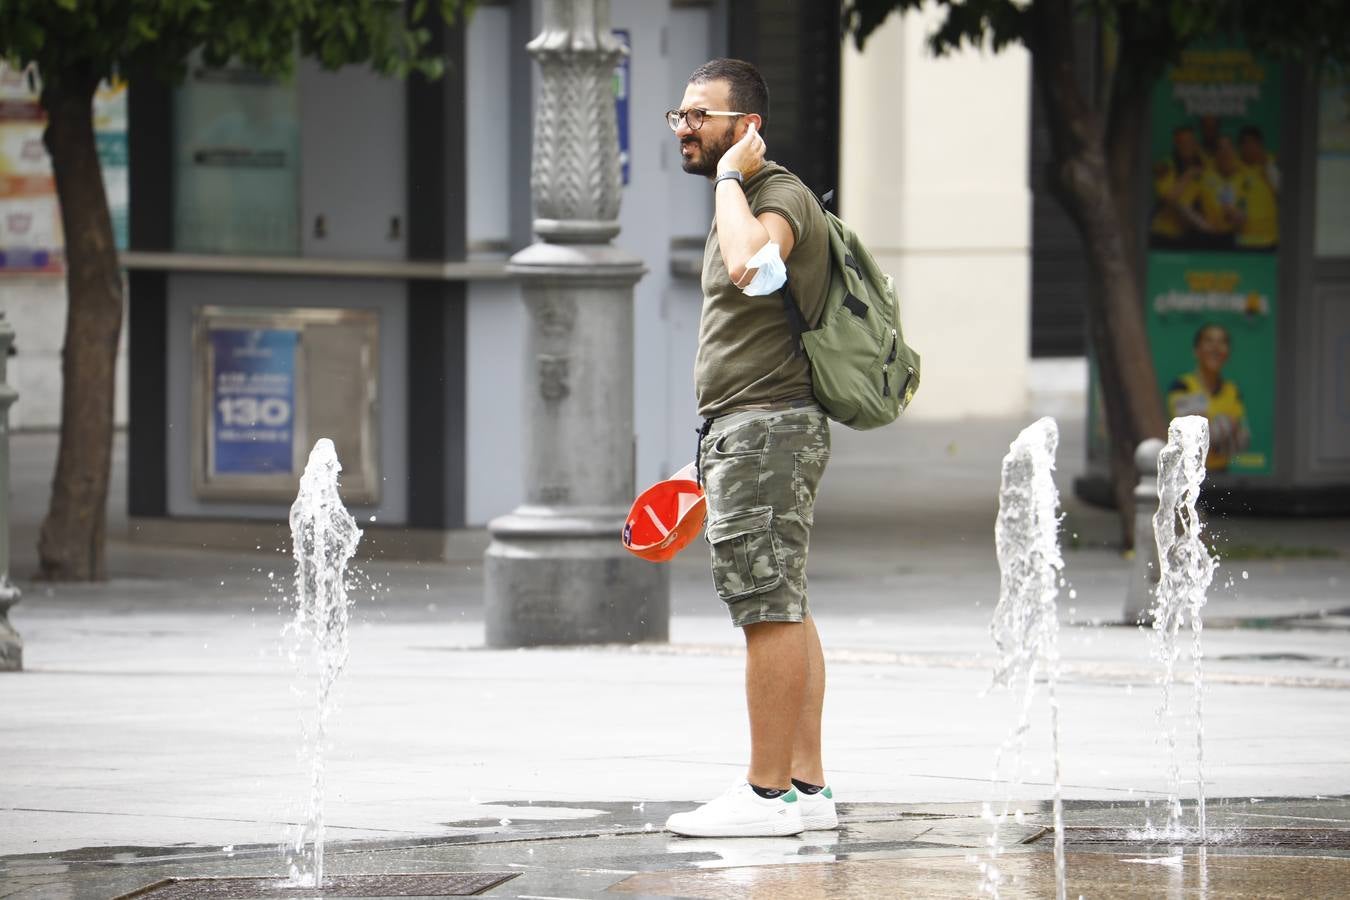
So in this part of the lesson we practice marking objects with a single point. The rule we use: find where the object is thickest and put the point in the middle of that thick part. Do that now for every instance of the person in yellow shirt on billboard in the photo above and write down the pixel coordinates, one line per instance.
(1258, 189)
(1187, 214)
(1205, 392)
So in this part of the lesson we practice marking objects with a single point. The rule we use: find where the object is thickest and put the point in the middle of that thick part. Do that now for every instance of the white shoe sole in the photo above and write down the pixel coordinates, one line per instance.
(749, 829)
(820, 823)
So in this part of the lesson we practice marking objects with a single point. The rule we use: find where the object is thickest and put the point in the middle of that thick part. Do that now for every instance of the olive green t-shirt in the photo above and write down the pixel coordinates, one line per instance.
(746, 350)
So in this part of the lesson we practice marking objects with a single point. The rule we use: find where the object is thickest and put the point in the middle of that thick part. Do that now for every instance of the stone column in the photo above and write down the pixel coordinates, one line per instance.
(556, 572)
(11, 645)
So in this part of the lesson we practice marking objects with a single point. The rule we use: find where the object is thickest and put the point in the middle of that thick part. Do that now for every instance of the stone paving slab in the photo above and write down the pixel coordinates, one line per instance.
(157, 715)
(180, 726)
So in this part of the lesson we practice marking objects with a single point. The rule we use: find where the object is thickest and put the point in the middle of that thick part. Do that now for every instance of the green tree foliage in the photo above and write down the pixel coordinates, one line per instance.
(1096, 121)
(78, 39)
(1156, 30)
(76, 44)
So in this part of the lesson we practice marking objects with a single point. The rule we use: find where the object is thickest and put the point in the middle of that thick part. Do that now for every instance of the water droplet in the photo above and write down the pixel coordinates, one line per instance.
(371, 519)
(1245, 576)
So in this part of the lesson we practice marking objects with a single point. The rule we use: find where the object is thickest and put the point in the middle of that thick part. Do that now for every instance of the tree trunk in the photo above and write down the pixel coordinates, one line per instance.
(1095, 186)
(71, 545)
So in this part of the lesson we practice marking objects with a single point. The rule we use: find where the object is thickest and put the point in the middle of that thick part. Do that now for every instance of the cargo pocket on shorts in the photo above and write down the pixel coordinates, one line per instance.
(745, 554)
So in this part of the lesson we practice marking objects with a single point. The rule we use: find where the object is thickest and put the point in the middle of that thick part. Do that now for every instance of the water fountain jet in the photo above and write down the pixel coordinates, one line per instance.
(1186, 570)
(1026, 626)
(324, 537)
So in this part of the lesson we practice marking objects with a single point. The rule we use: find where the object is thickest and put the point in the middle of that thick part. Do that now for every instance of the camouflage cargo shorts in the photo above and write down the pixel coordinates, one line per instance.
(761, 470)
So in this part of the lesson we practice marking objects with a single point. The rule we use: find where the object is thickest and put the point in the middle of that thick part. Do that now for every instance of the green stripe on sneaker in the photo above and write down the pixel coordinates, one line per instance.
(790, 796)
(829, 794)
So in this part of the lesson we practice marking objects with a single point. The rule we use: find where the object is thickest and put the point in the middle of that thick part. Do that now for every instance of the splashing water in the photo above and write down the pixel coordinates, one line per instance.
(1186, 569)
(1025, 626)
(324, 537)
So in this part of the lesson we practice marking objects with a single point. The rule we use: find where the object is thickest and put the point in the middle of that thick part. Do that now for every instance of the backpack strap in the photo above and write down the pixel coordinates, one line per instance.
(796, 320)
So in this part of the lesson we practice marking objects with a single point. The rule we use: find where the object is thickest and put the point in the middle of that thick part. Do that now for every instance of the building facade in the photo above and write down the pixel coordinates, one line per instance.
(371, 220)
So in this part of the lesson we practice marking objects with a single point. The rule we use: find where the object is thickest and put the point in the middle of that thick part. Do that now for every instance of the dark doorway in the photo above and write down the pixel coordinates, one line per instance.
(796, 45)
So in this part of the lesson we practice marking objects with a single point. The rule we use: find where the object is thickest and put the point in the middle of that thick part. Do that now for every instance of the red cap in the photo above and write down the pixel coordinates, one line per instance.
(665, 518)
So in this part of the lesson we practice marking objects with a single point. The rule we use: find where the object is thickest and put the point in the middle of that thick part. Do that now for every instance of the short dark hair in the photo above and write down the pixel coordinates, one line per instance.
(1252, 131)
(748, 92)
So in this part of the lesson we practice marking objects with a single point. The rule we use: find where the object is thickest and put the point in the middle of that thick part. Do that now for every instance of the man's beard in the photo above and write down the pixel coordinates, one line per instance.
(711, 155)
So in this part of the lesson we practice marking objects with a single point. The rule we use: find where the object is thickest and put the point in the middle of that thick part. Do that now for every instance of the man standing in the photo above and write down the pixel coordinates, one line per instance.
(763, 447)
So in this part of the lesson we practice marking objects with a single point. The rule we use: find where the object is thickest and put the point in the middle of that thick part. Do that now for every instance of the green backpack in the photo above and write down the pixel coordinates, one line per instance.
(863, 372)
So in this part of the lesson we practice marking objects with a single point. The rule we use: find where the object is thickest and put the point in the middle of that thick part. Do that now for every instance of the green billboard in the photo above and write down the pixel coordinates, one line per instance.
(1211, 285)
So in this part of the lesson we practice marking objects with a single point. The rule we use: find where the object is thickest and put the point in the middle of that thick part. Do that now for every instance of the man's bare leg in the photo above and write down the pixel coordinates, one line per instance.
(806, 762)
(776, 666)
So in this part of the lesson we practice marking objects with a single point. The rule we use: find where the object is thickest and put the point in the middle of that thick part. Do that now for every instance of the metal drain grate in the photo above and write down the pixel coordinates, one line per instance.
(1319, 838)
(438, 884)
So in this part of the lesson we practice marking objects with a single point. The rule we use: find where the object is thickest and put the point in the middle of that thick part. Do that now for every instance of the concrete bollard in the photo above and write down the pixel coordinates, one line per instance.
(11, 645)
(1144, 574)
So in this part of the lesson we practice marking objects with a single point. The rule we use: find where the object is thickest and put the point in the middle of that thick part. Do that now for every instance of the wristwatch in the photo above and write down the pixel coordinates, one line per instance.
(733, 175)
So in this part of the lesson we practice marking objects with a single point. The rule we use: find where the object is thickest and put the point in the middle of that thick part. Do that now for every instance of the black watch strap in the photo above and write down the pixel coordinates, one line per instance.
(733, 175)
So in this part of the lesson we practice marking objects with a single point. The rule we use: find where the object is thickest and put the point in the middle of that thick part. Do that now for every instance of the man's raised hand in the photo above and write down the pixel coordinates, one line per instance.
(744, 156)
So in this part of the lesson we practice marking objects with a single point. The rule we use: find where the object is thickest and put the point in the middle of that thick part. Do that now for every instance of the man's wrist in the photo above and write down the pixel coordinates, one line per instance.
(729, 175)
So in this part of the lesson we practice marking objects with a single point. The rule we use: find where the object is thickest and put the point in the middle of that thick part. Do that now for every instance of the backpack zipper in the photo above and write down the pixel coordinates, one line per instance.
(885, 367)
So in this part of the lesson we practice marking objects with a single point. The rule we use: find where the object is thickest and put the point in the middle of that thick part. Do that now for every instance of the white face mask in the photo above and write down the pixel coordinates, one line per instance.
(770, 272)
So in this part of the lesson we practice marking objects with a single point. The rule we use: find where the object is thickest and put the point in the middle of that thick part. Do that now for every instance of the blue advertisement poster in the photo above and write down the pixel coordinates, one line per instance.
(622, 73)
(253, 401)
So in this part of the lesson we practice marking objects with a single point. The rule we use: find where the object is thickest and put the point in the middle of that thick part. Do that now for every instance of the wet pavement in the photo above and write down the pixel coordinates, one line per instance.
(153, 735)
(880, 850)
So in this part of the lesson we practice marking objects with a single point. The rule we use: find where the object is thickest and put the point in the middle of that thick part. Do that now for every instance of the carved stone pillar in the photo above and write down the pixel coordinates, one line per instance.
(11, 645)
(556, 572)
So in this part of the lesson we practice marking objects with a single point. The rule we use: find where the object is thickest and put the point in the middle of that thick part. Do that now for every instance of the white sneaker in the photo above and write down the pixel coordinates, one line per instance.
(818, 813)
(740, 812)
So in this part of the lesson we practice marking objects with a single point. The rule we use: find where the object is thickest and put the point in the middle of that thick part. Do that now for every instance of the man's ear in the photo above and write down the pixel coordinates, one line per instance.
(757, 119)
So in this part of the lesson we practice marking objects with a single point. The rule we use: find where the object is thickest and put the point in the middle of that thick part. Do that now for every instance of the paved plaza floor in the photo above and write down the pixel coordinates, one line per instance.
(154, 734)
